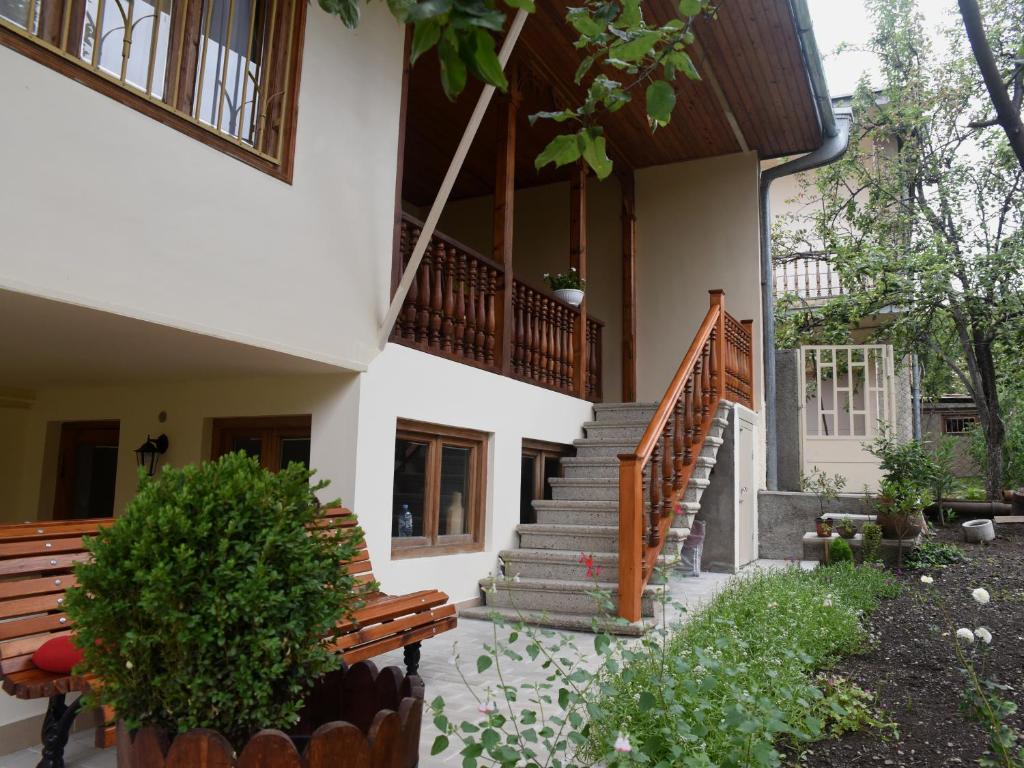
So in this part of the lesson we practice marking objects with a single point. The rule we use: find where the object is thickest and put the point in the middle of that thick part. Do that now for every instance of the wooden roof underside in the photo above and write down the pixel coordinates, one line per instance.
(751, 49)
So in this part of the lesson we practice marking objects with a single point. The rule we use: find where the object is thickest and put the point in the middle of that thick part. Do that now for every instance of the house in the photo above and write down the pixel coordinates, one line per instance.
(206, 223)
(953, 417)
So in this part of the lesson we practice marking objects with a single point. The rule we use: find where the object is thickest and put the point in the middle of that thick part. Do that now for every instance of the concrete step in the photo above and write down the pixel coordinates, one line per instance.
(552, 595)
(608, 467)
(695, 489)
(588, 448)
(601, 513)
(585, 488)
(616, 412)
(573, 622)
(616, 430)
(564, 565)
(579, 538)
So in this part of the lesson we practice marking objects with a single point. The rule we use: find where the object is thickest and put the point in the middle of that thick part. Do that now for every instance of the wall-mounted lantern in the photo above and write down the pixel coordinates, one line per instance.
(148, 454)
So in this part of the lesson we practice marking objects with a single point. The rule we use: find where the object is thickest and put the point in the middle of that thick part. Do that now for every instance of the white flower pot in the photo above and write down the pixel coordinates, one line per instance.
(571, 296)
(978, 531)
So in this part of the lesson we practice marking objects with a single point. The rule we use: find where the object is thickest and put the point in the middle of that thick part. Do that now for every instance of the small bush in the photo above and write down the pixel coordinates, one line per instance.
(839, 552)
(872, 546)
(934, 554)
(208, 604)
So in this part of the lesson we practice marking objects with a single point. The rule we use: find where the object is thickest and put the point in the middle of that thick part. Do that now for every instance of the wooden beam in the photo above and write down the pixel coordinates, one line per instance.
(504, 207)
(628, 186)
(578, 260)
(403, 118)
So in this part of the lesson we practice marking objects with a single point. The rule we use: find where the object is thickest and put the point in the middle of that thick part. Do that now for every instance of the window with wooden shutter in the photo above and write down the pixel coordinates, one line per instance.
(223, 71)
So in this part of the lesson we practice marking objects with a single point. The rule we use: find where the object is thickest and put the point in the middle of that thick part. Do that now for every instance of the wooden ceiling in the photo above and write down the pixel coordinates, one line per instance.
(751, 50)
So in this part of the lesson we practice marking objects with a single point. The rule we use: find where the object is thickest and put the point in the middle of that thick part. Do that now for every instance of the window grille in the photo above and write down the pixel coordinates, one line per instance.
(959, 424)
(227, 66)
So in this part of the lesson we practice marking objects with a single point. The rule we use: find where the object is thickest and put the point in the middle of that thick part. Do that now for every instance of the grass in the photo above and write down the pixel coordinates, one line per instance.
(739, 679)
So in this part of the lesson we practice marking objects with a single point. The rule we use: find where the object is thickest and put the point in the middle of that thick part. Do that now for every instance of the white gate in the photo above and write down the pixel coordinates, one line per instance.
(846, 396)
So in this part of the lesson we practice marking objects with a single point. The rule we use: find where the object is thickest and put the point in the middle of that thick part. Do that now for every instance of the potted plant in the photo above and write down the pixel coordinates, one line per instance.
(209, 607)
(908, 474)
(568, 286)
(826, 488)
(847, 528)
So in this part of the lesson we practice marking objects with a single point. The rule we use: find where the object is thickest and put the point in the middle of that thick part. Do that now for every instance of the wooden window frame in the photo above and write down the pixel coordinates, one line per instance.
(436, 437)
(271, 429)
(69, 432)
(964, 418)
(70, 66)
(540, 451)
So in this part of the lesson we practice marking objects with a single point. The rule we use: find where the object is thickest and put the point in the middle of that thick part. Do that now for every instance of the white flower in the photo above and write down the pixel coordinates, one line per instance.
(981, 595)
(984, 635)
(488, 707)
(927, 579)
(965, 634)
(827, 602)
(128, 665)
(622, 743)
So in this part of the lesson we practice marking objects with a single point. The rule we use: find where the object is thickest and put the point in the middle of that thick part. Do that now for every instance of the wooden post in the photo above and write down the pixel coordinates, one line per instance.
(718, 299)
(504, 206)
(578, 260)
(631, 534)
(397, 264)
(628, 186)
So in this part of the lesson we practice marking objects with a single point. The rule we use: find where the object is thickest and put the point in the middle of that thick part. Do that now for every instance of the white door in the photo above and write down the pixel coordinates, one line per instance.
(746, 494)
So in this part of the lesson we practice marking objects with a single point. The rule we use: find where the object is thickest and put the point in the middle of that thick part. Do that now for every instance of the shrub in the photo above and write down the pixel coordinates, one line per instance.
(839, 552)
(934, 554)
(208, 604)
(872, 546)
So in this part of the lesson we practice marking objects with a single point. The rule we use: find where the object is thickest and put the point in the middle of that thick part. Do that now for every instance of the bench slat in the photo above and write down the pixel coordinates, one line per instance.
(58, 562)
(386, 608)
(32, 626)
(26, 606)
(377, 631)
(27, 587)
(41, 546)
(399, 641)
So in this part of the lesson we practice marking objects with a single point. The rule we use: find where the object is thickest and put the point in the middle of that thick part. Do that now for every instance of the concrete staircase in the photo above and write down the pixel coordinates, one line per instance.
(543, 580)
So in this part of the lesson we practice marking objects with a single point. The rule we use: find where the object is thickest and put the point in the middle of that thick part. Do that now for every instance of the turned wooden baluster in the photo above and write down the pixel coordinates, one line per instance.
(556, 345)
(480, 343)
(707, 383)
(567, 324)
(654, 513)
(437, 295)
(688, 422)
(552, 351)
(545, 354)
(411, 306)
(517, 329)
(423, 305)
(714, 363)
(667, 483)
(697, 418)
(460, 304)
(471, 283)
(448, 308)
(570, 347)
(532, 336)
(492, 320)
(678, 440)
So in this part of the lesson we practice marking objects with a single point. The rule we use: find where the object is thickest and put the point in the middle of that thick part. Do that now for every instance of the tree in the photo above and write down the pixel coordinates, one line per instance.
(613, 34)
(999, 79)
(923, 218)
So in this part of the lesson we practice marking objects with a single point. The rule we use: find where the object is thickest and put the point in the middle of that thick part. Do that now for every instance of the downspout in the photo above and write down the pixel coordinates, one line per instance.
(835, 129)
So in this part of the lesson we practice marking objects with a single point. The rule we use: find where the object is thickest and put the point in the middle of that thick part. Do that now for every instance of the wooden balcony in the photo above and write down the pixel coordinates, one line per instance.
(456, 309)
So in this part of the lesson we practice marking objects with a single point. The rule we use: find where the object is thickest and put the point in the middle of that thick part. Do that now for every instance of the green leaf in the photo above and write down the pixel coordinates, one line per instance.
(690, 7)
(601, 643)
(488, 68)
(562, 150)
(521, 5)
(583, 68)
(631, 15)
(583, 22)
(563, 698)
(346, 10)
(596, 155)
(483, 663)
(425, 35)
(636, 48)
(428, 9)
(440, 745)
(661, 100)
(453, 69)
(647, 701)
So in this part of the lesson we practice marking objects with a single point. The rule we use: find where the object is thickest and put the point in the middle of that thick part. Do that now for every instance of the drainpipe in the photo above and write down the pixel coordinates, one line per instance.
(915, 397)
(835, 129)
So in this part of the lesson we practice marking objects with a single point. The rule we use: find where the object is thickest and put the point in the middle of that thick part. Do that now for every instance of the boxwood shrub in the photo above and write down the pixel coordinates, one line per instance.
(208, 604)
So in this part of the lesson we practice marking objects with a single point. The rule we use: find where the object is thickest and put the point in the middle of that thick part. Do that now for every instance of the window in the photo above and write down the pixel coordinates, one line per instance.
(958, 424)
(225, 71)
(86, 470)
(439, 490)
(540, 462)
(275, 440)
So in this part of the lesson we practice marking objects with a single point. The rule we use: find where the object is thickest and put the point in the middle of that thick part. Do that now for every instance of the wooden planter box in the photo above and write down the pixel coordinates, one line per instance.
(355, 718)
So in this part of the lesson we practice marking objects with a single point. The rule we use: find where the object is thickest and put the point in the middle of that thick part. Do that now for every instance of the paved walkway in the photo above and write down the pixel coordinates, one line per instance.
(441, 676)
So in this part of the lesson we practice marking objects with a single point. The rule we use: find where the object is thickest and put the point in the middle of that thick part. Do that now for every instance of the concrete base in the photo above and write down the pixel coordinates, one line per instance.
(783, 516)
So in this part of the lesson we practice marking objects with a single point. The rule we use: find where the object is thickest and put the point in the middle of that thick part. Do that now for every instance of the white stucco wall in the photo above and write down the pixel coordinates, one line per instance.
(404, 383)
(104, 206)
(697, 229)
(541, 244)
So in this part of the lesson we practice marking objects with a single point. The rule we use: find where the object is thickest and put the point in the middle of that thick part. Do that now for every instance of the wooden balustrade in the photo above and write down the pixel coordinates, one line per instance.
(654, 477)
(453, 306)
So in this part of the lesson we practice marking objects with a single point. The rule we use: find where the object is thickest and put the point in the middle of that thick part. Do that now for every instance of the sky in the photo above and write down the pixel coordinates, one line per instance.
(845, 21)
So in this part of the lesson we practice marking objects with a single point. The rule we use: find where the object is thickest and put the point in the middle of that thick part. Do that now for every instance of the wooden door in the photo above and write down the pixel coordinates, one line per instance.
(86, 470)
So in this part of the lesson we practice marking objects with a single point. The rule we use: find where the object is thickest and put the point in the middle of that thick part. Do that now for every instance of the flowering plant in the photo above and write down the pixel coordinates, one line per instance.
(570, 279)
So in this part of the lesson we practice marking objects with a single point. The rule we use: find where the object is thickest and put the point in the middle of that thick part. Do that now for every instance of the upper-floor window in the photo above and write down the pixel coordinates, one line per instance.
(224, 71)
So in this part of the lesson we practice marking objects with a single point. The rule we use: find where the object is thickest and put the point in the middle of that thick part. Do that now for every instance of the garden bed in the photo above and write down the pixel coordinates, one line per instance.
(913, 668)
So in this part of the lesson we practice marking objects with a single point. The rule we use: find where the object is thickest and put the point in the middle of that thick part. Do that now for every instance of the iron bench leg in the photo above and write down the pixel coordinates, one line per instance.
(412, 658)
(56, 729)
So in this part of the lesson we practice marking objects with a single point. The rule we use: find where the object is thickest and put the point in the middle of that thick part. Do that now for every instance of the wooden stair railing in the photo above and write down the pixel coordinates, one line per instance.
(717, 366)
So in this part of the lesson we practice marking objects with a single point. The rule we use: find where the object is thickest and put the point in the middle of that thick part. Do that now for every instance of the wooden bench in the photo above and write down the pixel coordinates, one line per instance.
(36, 562)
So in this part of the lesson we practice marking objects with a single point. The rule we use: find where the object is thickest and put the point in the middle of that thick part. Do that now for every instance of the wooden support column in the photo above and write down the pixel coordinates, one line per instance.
(578, 260)
(626, 182)
(504, 208)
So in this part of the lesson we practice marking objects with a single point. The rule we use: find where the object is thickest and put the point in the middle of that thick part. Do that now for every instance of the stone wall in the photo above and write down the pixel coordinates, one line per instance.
(784, 517)
(787, 409)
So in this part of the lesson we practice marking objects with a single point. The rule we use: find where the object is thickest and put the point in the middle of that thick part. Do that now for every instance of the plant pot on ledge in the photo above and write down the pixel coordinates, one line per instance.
(571, 296)
(355, 718)
(822, 527)
(899, 526)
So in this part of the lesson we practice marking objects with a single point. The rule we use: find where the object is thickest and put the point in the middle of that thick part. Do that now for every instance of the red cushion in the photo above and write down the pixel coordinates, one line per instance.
(57, 655)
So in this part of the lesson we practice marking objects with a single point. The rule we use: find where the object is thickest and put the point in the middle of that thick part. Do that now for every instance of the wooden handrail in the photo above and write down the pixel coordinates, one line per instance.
(667, 454)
